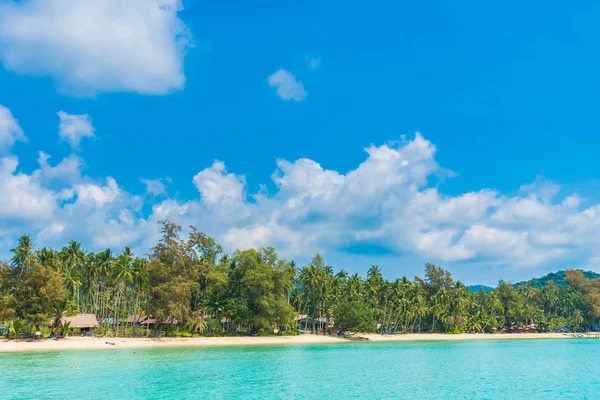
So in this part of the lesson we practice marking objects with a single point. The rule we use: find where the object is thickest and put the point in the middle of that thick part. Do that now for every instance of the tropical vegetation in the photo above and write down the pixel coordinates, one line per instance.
(192, 286)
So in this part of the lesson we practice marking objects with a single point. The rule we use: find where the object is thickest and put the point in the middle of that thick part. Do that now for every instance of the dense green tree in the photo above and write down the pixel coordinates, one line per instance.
(260, 279)
(172, 275)
(193, 284)
(37, 293)
(354, 316)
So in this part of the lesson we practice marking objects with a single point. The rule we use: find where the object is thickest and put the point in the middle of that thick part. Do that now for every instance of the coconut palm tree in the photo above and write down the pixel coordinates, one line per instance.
(16, 327)
(48, 258)
(72, 280)
(65, 328)
(196, 323)
(72, 255)
(23, 254)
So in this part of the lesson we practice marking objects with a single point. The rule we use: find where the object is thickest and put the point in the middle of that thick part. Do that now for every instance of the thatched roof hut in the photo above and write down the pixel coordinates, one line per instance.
(134, 319)
(81, 321)
(151, 321)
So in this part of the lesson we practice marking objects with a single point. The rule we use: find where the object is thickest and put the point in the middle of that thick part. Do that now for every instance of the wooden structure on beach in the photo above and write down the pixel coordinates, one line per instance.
(84, 322)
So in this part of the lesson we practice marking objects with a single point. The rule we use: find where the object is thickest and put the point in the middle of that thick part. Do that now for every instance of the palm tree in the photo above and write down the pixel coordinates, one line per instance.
(354, 288)
(140, 283)
(65, 328)
(123, 279)
(342, 275)
(17, 327)
(23, 255)
(436, 308)
(72, 255)
(72, 279)
(47, 257)
(196, 323)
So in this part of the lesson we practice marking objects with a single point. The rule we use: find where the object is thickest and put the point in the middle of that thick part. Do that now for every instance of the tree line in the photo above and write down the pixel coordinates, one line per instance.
(191, 285)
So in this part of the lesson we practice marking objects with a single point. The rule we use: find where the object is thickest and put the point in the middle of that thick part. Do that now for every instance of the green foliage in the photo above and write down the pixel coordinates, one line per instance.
(558, 278)
(191, 287)
(16, 327)
(354, 316)
(37, 292)
(173, 274)
(455, 330)
(196, 323)
(169, 331)
(65, 329)
(258, 283)
(214, 327)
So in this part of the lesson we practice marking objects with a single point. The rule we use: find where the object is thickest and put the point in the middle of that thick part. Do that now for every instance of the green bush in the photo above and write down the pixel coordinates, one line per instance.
(354, 316)
(169, 331)
(455, 330)
(213, 326)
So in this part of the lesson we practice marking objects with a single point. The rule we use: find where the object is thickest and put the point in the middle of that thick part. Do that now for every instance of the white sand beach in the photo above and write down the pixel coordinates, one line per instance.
(77, 343)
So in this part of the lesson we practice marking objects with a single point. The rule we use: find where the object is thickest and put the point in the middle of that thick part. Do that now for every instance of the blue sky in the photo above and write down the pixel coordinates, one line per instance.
(500, 182)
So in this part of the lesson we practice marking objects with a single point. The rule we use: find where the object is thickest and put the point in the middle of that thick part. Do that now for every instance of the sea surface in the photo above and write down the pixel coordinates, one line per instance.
(494, 369)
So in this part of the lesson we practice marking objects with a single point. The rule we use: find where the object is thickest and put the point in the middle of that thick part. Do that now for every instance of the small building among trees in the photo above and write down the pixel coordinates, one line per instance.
(86, 323)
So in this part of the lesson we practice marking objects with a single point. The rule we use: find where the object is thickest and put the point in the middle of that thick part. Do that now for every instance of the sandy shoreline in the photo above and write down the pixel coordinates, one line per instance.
(135, 343)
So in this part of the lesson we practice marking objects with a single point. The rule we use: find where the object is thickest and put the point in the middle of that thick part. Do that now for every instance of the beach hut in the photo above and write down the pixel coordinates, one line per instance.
(302, 322)
(149, 322)
(133, 319)
(84, 322)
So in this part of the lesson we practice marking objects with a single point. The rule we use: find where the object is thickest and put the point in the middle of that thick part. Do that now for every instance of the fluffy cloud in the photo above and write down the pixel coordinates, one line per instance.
(10, 131)
(387, 200)
(22, 196)
(286, 86)
(154, 187)
(95, 46)
(217, 187)
(390, 201)
(73, 128)
(95, 196)
(68, 170)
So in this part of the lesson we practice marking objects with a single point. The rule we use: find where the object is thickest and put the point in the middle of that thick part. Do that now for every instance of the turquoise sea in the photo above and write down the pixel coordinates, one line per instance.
(506, 369)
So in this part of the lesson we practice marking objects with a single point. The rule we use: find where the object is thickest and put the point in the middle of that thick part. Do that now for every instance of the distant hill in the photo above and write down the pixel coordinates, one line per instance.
(557, 277)
(477, 288)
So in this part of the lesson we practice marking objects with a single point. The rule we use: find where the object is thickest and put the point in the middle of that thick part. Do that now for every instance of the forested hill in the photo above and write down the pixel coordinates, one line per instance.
(477, 288)
(557, 277)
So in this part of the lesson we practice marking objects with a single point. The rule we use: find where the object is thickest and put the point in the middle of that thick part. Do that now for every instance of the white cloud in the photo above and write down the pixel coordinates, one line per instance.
(10, 131)
(22, 196)
(68, 170)
(386, 200)
(271, 233)
(73, 128)
(390, 200)
(96, 46)
(96, 196)
(154, 187)
(286, 85)
(51, 231)
(216, 186)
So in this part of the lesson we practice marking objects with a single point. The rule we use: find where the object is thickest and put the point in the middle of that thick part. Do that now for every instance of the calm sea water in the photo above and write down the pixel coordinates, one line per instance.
(507, 369)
